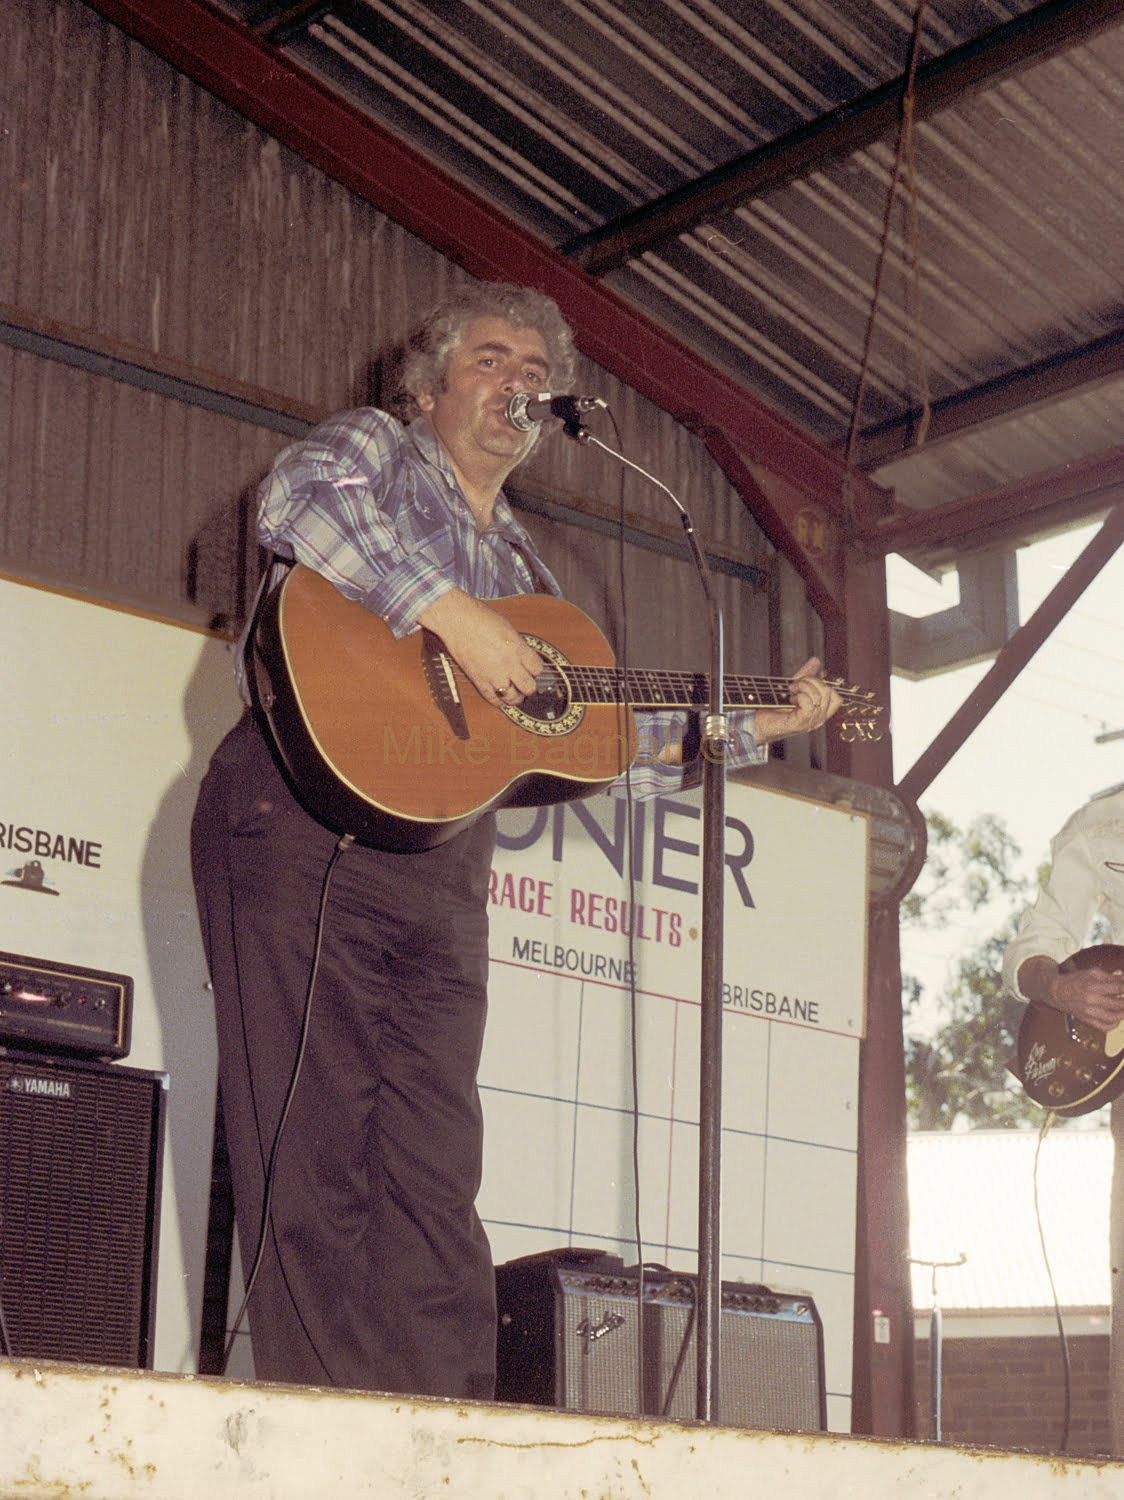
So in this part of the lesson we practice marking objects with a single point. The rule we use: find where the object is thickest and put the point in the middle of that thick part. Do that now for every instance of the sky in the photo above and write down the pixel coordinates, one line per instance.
(1035, 758)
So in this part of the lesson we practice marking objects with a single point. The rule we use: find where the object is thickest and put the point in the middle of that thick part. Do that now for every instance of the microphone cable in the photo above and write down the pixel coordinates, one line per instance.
(344, 843)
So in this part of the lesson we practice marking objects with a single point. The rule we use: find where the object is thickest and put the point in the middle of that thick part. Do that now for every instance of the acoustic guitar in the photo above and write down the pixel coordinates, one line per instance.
(388, 740)
(1064, 1064)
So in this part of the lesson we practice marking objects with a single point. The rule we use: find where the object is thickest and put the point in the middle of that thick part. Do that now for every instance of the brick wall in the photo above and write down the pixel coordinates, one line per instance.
(1010, 1393)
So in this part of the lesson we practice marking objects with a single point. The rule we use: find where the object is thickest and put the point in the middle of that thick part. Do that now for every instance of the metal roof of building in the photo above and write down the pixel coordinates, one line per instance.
(727, 168)
(740, 174)
(973, 1193)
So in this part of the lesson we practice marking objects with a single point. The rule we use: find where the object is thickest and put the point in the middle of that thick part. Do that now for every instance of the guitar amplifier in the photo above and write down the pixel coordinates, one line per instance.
(59, 1007)
(568, 1337)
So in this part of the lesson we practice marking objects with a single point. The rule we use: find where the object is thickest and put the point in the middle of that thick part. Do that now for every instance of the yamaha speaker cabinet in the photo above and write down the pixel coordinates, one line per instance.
(568, 1337)
(81, 1151)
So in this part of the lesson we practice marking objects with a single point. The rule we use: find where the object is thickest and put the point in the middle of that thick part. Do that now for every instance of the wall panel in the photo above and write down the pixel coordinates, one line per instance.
(154, 221)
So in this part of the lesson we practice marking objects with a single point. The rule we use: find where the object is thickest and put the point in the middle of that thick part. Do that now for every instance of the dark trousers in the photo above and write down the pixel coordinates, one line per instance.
(378, 1274)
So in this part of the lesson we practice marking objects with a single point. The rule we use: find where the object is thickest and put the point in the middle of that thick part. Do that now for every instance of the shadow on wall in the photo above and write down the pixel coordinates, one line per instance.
(179, 975)
(224, 561)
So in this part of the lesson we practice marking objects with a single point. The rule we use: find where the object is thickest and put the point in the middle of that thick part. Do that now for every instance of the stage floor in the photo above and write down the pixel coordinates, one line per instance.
(121, 1435)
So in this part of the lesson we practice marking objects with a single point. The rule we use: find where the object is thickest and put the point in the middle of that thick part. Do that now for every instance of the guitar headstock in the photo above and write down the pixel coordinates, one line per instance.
(860, 717)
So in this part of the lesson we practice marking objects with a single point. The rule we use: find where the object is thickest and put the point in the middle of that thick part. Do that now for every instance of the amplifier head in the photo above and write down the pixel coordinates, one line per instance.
(59, 1007)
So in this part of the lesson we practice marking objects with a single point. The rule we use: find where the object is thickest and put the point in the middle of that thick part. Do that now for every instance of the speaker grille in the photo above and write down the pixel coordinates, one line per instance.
(568, 1336)
(81, 1147)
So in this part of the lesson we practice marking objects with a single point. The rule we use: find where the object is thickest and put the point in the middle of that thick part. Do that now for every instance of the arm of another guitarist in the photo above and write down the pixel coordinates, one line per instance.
(1090, 995)
(1060, 920)
(814, 702)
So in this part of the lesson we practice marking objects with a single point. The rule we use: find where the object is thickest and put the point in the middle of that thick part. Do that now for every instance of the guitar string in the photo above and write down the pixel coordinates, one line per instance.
(663, 688)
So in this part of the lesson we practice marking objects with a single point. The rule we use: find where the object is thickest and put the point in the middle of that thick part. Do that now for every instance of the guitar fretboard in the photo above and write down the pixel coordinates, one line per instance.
(655, 688)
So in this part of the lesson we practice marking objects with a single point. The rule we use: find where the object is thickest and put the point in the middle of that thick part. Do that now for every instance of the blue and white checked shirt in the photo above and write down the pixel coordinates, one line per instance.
(376, 507)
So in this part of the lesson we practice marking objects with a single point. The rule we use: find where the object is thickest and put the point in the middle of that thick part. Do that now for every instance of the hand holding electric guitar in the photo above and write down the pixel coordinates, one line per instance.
(1067, 1065)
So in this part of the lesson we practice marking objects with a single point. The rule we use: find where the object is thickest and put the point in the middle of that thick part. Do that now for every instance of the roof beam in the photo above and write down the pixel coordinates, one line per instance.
(939, 83)
(1013, 513)
(1034, 385)
(811, 538)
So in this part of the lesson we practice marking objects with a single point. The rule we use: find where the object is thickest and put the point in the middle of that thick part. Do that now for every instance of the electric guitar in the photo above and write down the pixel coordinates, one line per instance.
(388, 740)
(1064, 1064)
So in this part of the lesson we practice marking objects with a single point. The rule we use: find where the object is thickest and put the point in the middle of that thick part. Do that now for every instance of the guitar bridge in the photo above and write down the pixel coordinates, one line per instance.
(441, 680)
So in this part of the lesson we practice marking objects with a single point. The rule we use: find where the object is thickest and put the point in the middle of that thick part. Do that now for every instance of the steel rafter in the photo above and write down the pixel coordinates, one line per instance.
(1014, 657)
(840, 132)
(1010, 514)
(1017, 392)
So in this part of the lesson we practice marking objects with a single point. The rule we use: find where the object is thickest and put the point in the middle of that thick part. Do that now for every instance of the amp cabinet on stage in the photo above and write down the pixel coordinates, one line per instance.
(568, 1337)
(81, 1152)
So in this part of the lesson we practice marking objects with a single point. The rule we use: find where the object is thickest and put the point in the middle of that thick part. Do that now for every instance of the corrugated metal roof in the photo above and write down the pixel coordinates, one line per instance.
(973, 1193)
(567, 114)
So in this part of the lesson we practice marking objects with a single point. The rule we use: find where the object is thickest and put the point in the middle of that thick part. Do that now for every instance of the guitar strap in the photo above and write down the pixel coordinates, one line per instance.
(272, 574)
(275, 569)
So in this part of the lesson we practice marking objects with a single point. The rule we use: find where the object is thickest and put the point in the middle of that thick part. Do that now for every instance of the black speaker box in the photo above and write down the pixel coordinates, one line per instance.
(81, 1153)
(568, 1337)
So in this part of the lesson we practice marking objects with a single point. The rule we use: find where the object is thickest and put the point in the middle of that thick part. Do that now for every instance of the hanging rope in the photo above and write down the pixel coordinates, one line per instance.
(914, 254)
(903, 157)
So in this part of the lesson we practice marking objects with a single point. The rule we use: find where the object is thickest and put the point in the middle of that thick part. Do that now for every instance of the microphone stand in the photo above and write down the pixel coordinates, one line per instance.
(714, 749)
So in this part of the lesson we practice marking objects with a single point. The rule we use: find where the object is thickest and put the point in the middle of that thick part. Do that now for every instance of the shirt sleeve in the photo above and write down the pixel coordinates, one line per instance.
(650, 777)
(322, 505)
(1059, 921)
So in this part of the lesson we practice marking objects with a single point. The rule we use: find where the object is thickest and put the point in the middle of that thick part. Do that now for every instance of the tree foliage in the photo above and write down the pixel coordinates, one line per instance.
(960, 1039)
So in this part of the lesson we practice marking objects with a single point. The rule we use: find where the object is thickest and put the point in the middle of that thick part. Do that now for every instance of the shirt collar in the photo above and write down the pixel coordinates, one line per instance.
(424, 439)
(428, 447)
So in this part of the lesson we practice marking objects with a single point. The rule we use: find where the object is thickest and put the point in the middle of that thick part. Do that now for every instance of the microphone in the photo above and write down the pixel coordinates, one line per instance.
(525, 409)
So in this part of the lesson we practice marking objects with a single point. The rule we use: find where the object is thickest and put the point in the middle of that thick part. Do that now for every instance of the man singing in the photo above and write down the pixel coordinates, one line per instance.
(377, 1273)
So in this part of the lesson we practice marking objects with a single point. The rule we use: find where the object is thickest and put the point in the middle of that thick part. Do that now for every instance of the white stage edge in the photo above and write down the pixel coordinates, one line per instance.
(121, 1435)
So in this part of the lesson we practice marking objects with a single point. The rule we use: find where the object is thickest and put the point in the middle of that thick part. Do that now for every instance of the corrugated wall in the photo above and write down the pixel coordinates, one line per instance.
(152, 233)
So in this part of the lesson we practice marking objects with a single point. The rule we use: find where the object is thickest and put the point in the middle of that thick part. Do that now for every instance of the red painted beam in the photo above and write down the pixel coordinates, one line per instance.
(271, 90)
(810, 536)
(1012, 512)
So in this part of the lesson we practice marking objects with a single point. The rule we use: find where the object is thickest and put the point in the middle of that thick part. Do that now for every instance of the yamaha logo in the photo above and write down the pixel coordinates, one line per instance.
(43, 1088)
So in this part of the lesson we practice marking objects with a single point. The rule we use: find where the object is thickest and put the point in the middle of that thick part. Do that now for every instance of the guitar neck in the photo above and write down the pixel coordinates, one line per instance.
(654, 688)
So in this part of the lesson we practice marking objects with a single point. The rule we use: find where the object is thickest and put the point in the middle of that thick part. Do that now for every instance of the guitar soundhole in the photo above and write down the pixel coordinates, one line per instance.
(550, 710)
(550, 700)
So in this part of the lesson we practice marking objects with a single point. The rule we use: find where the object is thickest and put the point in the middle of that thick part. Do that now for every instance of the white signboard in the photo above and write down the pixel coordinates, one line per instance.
(795, 894)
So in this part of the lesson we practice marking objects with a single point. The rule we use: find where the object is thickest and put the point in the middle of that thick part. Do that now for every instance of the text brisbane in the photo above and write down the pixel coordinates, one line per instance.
(768, 1003)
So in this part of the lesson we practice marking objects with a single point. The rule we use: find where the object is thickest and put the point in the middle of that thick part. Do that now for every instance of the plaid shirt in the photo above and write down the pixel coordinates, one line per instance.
(376, 507)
